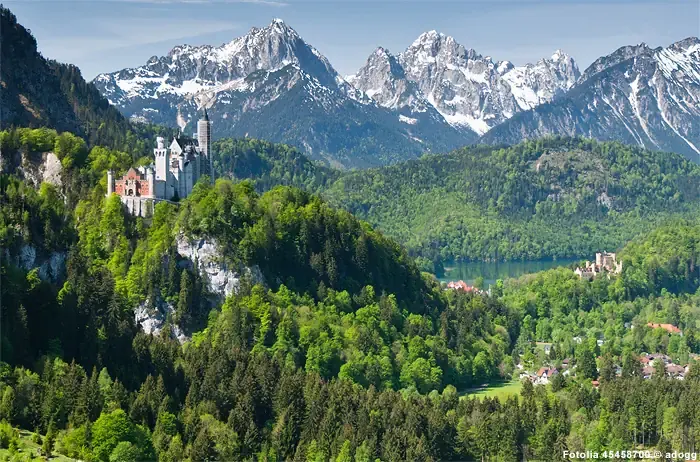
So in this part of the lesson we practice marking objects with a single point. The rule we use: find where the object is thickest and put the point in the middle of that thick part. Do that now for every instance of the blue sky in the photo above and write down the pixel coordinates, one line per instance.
(108, 35)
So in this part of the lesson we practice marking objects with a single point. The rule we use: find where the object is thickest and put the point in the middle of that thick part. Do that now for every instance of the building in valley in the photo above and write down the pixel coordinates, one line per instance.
(176, 170)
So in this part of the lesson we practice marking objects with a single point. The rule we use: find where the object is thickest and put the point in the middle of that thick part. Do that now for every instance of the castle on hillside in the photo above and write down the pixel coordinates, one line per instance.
(177, 169)
(605, 262)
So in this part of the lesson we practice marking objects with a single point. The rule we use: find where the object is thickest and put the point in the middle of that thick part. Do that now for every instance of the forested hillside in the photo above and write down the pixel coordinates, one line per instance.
(261, 319)
(321, 295)
(336, 353)
(37, 92)
(554, 197)
(269, 165)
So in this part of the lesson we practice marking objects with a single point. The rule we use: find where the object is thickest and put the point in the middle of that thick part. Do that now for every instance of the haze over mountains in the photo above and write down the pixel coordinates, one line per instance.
(434, 96)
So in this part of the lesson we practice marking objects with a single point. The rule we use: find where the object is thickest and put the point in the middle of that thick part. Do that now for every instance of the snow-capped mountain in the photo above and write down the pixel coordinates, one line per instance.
(535, 84)
(466, 88)
(271, 84)
(434, 96)
(383, 80)
(637, 95)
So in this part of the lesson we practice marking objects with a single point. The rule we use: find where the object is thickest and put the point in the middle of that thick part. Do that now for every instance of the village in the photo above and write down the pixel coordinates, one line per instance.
(543, 375)
(606, 263)
(649, 362)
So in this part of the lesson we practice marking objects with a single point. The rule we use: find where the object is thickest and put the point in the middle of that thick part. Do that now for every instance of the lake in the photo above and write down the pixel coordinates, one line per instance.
(491, 271)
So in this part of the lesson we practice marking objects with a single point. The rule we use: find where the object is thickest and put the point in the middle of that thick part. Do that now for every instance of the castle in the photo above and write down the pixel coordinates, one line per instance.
(604, 263)
(177, 169)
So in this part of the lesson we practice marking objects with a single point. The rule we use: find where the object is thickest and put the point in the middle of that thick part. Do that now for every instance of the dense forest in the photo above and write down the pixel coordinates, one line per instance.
(331, 344)
(550, 198)
(269, 165)
(556, 197)
(334, 345)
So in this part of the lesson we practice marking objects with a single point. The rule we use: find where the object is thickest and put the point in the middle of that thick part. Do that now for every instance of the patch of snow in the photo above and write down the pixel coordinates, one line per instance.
(503, 67)
(408, 120)
(622, 119)
(671, 60)
(464, 120)
(633, 98)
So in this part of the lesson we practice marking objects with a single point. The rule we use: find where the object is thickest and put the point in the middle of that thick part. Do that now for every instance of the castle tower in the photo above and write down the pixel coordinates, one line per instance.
(204, 141)
(110, 182)
(151, 178)
(161, 176)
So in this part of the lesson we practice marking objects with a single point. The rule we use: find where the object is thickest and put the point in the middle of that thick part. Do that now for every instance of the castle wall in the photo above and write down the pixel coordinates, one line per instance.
(139, 206)
(189, 178)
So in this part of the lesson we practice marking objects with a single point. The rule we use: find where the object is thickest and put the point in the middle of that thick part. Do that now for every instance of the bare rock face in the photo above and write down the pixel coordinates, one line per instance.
(51, 170)
(222, 280)
(34, 168)
(51, 267)
(152, 319)
(468, 90)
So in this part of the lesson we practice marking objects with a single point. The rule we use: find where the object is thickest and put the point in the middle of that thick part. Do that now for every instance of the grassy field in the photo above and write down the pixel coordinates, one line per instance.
(28, 450)
(500, 390)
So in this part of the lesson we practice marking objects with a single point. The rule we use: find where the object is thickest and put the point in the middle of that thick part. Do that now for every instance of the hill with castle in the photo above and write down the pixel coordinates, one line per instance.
(172, 177)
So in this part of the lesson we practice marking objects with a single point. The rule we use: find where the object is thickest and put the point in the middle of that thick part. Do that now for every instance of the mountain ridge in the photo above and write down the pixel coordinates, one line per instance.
(241, 81)
(637, 95)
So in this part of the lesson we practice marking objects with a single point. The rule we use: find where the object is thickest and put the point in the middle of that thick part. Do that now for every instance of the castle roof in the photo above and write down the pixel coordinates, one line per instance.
(185, 141)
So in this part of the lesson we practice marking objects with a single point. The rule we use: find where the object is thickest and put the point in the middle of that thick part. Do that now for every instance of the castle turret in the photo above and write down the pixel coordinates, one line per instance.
(161, 174)
(204, 141)
(110, 182)
(151, 179)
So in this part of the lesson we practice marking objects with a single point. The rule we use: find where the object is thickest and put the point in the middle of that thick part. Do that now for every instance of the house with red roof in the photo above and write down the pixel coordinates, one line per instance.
(670, 328)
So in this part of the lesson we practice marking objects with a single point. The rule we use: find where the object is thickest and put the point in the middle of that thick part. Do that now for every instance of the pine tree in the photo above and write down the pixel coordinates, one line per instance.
(7, 406)
(184, 303)
(49, 440)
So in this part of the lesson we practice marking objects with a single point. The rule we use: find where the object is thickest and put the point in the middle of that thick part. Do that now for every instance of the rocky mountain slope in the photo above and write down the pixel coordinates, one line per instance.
(467, 89)
(637, 95)
(271, 84)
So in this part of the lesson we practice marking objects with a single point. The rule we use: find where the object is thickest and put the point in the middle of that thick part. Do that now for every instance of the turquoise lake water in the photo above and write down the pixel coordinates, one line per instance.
(491, 271)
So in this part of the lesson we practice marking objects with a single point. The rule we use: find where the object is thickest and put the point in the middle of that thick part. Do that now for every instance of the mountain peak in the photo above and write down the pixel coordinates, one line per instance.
(687, 44)
(427, 37)
(380, 62)
(381, 51)
(559, 54)
(278, 24)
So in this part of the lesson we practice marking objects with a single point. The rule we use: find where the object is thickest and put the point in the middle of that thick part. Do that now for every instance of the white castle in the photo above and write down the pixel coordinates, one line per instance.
(177, 170)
